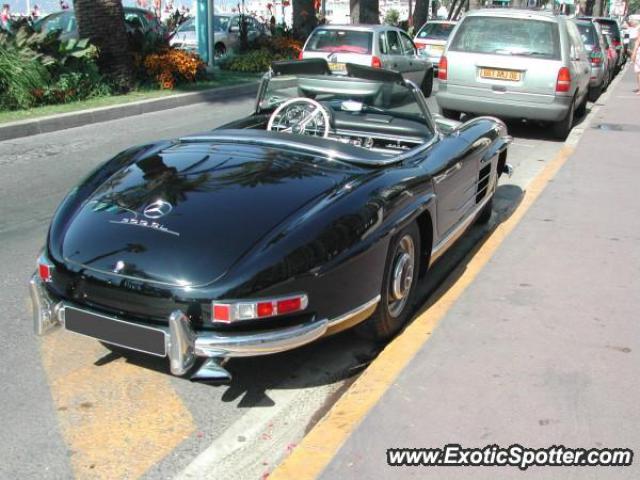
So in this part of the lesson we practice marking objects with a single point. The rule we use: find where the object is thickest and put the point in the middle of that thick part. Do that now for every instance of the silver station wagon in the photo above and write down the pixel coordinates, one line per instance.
(517, 64)
(379, 46)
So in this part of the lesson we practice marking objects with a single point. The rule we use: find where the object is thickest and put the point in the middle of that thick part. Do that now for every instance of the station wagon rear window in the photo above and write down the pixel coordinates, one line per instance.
(438, 31)
(340, 41)
(508, 36)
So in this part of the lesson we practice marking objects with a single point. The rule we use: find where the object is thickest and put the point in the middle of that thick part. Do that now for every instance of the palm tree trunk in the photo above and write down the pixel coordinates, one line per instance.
(420, 13)
(102, 21)
(304, 18)
(365, 11)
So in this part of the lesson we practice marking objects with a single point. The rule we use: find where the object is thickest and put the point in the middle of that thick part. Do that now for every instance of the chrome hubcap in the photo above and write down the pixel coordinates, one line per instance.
(401, 276)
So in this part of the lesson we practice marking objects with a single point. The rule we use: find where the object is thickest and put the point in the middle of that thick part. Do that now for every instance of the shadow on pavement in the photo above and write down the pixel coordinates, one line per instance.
(345, 355)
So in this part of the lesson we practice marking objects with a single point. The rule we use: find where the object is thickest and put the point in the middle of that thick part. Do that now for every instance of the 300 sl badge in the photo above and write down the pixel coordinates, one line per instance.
(146, 224)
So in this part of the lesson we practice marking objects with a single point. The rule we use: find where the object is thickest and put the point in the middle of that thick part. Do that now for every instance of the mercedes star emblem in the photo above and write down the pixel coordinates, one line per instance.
(157, 209)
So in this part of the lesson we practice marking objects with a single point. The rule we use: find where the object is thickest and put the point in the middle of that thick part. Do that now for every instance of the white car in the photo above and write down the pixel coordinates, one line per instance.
(226, 34)
(378, 46)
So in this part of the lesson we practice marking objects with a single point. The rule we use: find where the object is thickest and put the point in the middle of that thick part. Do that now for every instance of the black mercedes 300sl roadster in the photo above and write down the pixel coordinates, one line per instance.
(316, 213)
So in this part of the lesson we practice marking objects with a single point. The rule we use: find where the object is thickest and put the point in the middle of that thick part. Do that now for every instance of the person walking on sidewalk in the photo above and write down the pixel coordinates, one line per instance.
(635, 58)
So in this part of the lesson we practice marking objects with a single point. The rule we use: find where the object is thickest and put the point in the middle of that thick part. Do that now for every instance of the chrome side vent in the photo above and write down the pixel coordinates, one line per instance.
(483, 182)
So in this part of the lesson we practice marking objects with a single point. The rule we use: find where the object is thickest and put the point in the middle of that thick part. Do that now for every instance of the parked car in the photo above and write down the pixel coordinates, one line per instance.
(301, 220)
(611, 27)
(612, 54)
(65, 22)
(226, 33)
(432, 38)
(601, 65)
(537, 68)
(379, 46)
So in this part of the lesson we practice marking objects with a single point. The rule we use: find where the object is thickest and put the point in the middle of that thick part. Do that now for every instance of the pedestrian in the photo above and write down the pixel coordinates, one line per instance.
(64, 5)
(5, 16)
(35, 12)
(635, 58)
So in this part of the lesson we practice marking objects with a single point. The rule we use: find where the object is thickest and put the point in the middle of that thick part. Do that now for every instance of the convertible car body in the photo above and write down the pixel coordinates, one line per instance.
(316, 213)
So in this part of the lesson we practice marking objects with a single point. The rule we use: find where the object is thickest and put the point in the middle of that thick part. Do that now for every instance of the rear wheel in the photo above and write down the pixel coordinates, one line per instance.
(398, 287)
(427, 84)
(581, 110)
(562, 128)
(595, 92)
(219, 51)
(451, 114)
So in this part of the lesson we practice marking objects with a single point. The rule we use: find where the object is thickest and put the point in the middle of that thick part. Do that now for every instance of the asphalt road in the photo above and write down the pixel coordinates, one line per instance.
(72, 409)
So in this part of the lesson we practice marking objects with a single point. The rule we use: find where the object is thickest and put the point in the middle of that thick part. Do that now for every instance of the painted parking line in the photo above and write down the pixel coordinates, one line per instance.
(118, 419)
(319, 447)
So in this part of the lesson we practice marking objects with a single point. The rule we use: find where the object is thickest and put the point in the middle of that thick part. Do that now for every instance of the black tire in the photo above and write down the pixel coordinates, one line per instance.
(451, 114)
(396, 298)
(219, 51)
(595, 92)
(427, 84)
(581, 110)
(562, 128)
(485, 214)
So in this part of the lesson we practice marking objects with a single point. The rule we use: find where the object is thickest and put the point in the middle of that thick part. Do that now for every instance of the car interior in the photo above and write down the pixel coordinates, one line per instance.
(369, 108)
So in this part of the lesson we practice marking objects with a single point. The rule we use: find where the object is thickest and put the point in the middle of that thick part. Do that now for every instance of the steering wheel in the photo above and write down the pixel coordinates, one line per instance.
(301, 115)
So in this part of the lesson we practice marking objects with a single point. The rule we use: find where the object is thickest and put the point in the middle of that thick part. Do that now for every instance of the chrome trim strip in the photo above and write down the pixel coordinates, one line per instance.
(441, 247)
(356, 311)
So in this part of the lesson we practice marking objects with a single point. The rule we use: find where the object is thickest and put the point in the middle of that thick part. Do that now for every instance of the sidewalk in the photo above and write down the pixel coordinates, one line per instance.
(543, 348)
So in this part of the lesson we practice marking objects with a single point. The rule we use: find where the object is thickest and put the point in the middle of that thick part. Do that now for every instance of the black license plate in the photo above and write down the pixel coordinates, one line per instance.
(117, 332)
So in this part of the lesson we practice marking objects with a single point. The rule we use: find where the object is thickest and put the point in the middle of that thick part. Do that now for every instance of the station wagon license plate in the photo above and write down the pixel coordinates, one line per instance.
(338, 67)
(500, 74)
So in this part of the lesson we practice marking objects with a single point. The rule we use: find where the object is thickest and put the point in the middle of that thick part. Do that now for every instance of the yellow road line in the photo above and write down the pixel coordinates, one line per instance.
(318, 448)
(118, 419)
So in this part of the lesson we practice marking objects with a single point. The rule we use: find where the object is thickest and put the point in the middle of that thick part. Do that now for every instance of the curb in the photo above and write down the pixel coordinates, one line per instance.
(53, 123)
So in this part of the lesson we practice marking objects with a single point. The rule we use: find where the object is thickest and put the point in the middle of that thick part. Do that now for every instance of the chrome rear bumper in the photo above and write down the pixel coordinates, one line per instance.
(184, 346)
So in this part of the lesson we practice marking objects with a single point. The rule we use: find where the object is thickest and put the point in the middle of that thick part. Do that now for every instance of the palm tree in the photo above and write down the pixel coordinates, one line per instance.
(364, 11)
(304, 18)
(102, 21)
(420, 13)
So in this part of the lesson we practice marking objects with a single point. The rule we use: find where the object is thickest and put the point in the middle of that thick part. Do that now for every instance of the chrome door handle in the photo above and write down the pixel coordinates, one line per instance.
(448, 172)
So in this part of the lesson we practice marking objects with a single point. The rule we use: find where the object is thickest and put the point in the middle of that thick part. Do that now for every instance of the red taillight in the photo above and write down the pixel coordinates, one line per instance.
(149, 16)
(44, 271)
(221, 313)
(596, 57)
(289, 305)
(376, 62)
(301, 55)
(442, 68)
(228, 312)
(616, 43)
(563, 83)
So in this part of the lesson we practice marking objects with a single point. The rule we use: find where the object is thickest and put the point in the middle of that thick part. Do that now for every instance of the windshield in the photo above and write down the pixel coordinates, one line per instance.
(188, 26)
(588, 34)
(438, 31)
(345, 41)
(518, 36)
(354, 96)
(221, 24)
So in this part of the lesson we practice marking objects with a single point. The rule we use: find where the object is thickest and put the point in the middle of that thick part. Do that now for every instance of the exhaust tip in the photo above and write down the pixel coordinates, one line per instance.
(212, 372)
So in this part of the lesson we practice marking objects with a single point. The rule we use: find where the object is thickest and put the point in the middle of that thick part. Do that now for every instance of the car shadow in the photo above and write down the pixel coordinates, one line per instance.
(535, 130)
(344, 356)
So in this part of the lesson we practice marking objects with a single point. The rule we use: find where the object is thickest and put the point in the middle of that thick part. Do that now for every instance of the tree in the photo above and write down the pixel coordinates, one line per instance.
(420, 13)
(304, 18)
(102, 21)
(365, 11)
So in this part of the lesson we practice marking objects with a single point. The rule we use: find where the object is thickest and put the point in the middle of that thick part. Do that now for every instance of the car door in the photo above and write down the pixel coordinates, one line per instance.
(455, 181)
(394, 58)
(578, 56)
(414, 68)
